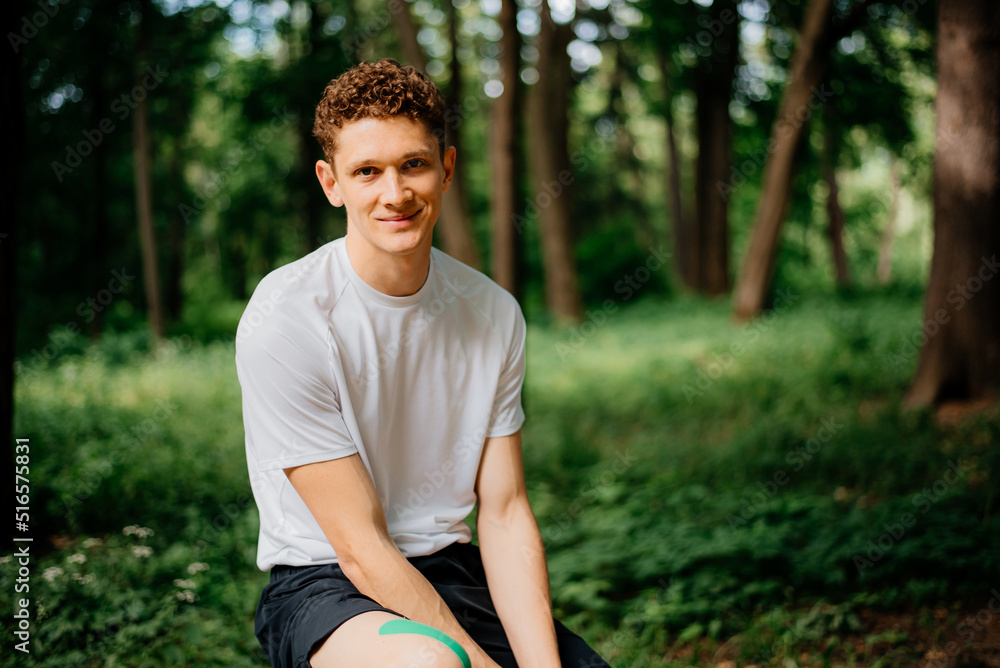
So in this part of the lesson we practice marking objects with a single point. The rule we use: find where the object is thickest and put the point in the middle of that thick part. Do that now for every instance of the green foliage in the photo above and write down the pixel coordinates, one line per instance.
(688, 489)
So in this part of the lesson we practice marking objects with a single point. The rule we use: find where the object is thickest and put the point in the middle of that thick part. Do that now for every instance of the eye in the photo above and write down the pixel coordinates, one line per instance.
(415, 163)
(365, 171)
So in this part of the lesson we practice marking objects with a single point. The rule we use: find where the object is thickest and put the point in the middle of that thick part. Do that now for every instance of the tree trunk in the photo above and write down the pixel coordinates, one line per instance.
(309, 149)
(797, 104)
(406, 30)
(143, 182)
(12, 120)
(713, 90)
(178, 233)
(632, 203)
(98, 256)
(507, 159)
(835, 229)
(681, 233)
(960, 354)
(549, 159)
(885, 247)
(456, 229)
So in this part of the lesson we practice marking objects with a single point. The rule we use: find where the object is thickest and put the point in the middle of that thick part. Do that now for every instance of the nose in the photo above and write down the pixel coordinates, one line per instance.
(395, 190)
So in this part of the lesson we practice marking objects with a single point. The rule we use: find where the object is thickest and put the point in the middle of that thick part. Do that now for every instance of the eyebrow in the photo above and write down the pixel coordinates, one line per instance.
(357, 164)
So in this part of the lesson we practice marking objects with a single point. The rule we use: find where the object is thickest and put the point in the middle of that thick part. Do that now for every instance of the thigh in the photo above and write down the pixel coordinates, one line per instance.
(357, 643)
(457, 573)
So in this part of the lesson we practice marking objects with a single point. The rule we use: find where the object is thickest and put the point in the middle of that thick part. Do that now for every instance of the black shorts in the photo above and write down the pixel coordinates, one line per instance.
(303, 605)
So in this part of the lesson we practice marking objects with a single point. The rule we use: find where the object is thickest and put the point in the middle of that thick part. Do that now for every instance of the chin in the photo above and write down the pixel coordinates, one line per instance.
(405, 246)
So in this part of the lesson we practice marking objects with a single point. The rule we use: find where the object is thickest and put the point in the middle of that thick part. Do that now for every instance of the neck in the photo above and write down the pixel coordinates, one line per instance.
(393, 275)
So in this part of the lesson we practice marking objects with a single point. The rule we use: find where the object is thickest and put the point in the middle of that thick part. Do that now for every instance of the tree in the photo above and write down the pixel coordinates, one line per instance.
(507, 158)
(144, 181)
(802, 96)
(99, 233)
(680, 225)
(835, 214)
(808, 68)
(713, 89)
(549, 109)
(960, 356)
(456, 231)
(889, 231)
(701, 240)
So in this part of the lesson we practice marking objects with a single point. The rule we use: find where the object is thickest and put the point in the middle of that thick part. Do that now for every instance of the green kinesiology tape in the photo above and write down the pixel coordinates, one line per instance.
(394, 626)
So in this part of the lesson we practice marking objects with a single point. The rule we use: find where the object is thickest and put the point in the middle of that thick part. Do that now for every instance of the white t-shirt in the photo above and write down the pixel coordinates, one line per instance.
(329, 366)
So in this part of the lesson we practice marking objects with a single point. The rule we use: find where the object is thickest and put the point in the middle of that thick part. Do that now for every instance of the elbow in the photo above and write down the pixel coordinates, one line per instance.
(357, 560)
(351, 568)
(505, 516)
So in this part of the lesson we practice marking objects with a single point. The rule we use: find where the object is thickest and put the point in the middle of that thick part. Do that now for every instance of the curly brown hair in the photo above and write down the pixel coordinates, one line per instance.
(378, 90)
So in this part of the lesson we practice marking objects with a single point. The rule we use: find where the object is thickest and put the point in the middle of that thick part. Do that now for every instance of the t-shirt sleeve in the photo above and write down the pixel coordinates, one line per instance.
(291, 410)
(508, 415)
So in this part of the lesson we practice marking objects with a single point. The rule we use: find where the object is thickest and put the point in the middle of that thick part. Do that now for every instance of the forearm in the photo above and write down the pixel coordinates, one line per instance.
(514, 558)
(385, 575)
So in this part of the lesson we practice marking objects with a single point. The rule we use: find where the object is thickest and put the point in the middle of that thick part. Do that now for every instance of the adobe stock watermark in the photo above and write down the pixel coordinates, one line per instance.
(244, 152)
(417, 497)
(560, 522)
(627, 286)
(968, 628)
(788, 125)
(427, 314)
(362, 35)
(548, 191)
(31, 25)
(223, 520)
(121, 107)
(263, 305)
(712, 29)
(751, 331)
(86, 309)
(85, 484)
(465, 453)
(797, 458)
(895, 531)
(956, 299)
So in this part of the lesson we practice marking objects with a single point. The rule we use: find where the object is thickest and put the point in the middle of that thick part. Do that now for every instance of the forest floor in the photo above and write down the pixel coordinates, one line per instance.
(923, 638)
(710, 493)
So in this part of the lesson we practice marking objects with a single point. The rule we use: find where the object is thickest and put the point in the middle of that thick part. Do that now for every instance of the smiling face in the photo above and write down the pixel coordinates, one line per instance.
(389, 175)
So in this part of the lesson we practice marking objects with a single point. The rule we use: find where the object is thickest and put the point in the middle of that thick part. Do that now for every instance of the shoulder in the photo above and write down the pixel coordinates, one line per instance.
(476, 289)
(293, 301)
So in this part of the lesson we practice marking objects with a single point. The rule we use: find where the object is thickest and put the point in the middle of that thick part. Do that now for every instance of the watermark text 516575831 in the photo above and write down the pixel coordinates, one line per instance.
(22, 585)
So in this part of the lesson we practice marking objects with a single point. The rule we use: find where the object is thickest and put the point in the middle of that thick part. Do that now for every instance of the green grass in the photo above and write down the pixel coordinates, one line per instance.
(703, 487)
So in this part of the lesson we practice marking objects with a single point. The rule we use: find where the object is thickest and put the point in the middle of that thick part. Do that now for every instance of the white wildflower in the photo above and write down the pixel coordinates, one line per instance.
(141, 551)
(76, 558)
(186, 595)
(197, 567)
(184, 584)
(50, 574)
(92, 542)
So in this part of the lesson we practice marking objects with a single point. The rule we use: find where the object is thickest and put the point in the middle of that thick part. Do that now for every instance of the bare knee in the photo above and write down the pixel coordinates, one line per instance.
(414, 651)
(358, 644)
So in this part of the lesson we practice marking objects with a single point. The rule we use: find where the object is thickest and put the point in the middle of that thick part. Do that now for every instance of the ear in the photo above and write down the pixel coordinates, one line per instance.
(328, 181)
(449, 168)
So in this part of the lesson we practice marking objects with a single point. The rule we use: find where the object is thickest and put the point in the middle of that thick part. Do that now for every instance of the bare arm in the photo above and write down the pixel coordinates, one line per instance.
(341, 496)
(514, 555)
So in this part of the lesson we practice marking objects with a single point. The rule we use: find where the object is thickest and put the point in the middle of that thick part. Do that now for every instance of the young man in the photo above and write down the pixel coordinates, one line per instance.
(382, 401)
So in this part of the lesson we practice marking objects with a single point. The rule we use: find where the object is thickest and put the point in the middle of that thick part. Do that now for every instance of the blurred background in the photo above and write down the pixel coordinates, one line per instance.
(755, 242)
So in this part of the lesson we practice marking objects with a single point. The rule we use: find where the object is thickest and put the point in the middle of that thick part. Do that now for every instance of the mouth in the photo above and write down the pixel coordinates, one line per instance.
(399, 220)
